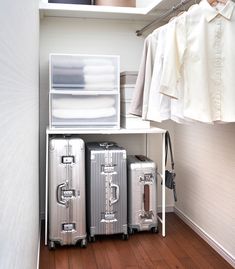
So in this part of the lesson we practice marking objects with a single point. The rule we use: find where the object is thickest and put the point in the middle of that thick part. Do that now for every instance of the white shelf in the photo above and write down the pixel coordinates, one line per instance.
(152, 130)
(83, 92)
(106, 12)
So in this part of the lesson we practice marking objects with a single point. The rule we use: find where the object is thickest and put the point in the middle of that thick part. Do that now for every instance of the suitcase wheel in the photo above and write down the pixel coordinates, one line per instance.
(130, 230)
(91, 238)
(51, 245)
(83, 243)
(125, 236)
(154, 230)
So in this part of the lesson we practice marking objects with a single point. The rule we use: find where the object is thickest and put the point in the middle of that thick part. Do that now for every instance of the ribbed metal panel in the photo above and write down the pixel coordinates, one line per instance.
(103, 217)
(136, 173)
(74, 176)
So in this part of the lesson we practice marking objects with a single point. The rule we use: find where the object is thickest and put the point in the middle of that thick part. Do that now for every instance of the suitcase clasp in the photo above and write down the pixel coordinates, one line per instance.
(108, 169)
(68, 159)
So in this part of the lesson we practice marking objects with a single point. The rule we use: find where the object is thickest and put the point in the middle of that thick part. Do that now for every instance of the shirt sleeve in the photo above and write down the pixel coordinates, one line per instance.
(173, 56)
(149, 72)
(137, 99)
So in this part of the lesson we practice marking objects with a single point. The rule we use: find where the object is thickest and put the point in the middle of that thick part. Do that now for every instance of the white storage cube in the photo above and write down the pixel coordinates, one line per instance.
(125, 107)
(84, 111)
(84, 91)
(127, 92)
(134, 122)
(84, 72)
(128, 77)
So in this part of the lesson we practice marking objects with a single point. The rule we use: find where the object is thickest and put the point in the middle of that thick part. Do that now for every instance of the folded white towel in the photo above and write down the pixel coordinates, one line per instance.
(98, 61)
(100, 87)
(68, 72)
(99, 70)
(82, 102)
(95, 79)
(67, 63)
(84, 113)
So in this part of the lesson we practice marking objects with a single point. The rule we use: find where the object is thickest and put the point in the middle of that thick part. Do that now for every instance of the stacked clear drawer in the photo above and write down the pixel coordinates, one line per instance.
(84, 91)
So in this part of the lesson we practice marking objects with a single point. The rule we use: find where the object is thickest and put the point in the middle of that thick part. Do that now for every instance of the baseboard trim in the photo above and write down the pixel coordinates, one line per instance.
(168, 209)
(212, 242)
(39, 243)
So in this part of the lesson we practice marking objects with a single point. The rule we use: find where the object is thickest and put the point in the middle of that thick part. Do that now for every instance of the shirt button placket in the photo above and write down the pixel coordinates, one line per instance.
(218, 70)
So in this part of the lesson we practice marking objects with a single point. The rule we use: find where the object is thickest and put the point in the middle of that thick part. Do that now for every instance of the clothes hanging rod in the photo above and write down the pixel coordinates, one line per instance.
(166, 14)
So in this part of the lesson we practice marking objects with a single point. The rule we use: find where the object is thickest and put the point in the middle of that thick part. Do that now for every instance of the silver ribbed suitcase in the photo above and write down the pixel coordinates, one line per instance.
(67, 217)
(142, 194)
(106, 189)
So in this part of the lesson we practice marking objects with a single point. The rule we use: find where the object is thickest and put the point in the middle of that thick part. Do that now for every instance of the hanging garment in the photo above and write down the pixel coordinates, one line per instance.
(148, 102)
(158, 105)
(143, 79)
(202, 52)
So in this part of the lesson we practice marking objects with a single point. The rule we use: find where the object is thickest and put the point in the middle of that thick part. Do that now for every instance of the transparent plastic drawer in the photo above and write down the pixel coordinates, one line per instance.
(84, 111)
(84, 72)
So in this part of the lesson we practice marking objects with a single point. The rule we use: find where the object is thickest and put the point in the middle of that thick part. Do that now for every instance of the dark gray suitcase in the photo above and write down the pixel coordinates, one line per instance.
(67, 217)
(142, 194)
(106, 189)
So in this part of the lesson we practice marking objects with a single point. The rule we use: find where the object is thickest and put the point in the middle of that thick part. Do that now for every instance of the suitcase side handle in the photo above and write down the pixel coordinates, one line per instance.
(146, 197)
(59, 194)
(117, 194)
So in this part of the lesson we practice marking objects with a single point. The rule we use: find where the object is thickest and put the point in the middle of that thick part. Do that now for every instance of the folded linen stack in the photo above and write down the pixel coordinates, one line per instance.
(84, 73)
(128, 121)
(67, 73)
(100, 74)
(83, 107)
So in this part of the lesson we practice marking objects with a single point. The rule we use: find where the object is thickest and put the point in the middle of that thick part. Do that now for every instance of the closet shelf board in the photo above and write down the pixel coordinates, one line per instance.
(148, 13)
(152, 130)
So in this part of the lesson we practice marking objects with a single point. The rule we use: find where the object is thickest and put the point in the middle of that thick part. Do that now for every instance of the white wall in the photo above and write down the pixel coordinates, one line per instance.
(19, 211)
(143, 3)
(205, 167)
(71, 35)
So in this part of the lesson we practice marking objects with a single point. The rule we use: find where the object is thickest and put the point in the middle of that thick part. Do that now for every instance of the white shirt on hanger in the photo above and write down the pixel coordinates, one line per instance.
(202, 50)
(162, 107)
(158, 105)
(136, 106)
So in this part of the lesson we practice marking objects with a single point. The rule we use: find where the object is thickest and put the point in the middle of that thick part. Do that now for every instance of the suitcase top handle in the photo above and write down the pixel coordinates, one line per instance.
(106, 145)
(141, 158)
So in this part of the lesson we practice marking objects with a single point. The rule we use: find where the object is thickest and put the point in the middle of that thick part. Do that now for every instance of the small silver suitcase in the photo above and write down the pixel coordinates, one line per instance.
(142, 194)
(106, 189)
(67, 217)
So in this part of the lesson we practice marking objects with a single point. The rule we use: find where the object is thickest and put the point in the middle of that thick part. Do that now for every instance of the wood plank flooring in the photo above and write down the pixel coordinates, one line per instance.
(181, 248)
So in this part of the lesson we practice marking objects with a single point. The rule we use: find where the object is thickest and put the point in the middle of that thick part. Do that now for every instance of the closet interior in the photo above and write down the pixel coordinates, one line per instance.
(204, 153)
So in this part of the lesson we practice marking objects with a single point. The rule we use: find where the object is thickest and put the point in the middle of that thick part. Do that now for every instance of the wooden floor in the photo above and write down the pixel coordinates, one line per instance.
(181, 248)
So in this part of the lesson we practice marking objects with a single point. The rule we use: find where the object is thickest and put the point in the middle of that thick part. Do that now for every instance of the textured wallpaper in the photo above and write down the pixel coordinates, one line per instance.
(19, 102)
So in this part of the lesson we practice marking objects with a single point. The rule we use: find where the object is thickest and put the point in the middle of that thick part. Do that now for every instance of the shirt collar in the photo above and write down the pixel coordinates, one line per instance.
(211, 12)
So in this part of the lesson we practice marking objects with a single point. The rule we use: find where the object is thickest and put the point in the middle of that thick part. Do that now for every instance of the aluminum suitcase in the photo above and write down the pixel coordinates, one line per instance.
(106, 189)
(142, 194)
(67, 217)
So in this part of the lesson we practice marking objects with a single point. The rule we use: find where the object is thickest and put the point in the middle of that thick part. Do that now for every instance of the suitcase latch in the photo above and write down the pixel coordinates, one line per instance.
(109, 217)
(67, 159)
(108, 169)
(148, 177)
(68, 194)
(68, 227)
(147, 215)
